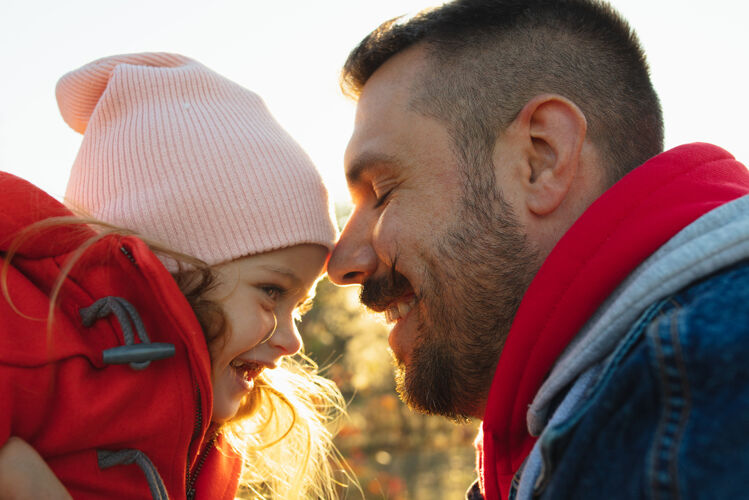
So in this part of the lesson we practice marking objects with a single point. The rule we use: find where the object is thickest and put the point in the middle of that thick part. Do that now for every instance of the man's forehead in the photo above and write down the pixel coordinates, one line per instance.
(395, 80)
(376, 134)
(364, 163)
(382, 107)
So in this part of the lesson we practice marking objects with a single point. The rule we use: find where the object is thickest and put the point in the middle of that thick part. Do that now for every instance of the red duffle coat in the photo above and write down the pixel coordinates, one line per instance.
(108, 429)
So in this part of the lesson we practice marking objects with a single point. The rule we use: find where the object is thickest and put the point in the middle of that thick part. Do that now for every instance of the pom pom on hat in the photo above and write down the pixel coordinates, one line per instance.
(182, 155)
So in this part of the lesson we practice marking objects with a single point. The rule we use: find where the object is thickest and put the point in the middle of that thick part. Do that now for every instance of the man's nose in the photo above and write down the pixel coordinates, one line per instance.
(353, 259)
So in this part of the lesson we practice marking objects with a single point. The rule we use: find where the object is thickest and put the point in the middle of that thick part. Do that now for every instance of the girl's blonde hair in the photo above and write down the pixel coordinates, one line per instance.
(284, 428)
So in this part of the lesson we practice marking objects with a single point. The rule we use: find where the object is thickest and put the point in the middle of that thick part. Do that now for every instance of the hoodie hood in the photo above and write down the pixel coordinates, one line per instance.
(713, 242)
(619, 231)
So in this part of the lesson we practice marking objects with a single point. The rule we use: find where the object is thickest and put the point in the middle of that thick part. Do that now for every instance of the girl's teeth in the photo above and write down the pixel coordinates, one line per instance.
(246, 369)
(244, 365)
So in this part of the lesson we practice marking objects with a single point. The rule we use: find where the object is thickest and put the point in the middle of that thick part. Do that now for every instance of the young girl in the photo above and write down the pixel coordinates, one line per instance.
(144, 346)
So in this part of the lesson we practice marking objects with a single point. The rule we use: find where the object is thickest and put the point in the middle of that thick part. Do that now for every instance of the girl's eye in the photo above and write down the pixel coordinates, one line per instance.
(273, 292)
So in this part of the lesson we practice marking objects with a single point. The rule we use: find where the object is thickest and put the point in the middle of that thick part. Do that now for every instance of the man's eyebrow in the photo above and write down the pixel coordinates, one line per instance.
(366, 161)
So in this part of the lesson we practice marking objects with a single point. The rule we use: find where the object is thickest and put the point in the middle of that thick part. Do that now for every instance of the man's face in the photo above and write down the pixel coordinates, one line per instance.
(445, 262)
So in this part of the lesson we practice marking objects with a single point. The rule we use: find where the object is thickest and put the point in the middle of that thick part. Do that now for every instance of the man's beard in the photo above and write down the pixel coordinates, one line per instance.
(474, 278)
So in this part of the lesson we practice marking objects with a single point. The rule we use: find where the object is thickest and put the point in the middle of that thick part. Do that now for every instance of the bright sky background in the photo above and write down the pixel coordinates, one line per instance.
(290, 52)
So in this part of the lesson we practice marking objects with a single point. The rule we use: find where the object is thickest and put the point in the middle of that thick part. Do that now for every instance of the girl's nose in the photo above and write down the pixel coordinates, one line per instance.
(286, 337)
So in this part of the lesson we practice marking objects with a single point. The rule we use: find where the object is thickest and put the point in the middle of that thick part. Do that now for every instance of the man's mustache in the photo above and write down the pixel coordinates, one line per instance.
(378, 292)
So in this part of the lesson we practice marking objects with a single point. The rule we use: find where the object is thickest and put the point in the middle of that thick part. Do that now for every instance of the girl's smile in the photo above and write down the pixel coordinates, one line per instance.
(259, 295)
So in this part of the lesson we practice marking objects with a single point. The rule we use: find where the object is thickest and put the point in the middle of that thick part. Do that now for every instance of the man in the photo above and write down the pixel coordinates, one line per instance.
(546, 268)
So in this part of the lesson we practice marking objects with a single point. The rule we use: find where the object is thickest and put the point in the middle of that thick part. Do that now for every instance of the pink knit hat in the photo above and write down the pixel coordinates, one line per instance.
(180, 154)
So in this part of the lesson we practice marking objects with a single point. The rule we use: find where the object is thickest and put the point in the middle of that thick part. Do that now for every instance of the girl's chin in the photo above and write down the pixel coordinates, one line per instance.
(229, 401)
(223, 412)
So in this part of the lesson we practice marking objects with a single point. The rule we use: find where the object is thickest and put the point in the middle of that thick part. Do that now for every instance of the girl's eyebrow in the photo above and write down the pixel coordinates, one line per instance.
(285, 271)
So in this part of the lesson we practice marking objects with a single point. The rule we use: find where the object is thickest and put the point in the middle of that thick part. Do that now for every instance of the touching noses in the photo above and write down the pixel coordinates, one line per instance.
(353, 259)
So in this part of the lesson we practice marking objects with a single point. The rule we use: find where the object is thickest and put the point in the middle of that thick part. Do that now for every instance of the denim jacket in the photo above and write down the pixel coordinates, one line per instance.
(668, 417)
(665, 414)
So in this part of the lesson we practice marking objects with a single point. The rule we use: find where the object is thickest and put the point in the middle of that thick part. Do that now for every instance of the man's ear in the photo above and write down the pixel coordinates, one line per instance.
(552, 131)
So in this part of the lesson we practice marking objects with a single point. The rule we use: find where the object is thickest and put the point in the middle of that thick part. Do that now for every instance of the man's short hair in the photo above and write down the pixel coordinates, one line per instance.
(487, 58)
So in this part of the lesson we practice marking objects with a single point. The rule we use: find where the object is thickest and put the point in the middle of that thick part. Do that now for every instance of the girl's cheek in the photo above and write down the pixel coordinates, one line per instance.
(266, 322)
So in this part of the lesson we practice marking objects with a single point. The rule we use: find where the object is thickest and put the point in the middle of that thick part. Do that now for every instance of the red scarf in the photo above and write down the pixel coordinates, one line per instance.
(619, 231)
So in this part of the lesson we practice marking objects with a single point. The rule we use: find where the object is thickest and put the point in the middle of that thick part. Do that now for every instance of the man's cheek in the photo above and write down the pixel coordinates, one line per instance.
(387, 235)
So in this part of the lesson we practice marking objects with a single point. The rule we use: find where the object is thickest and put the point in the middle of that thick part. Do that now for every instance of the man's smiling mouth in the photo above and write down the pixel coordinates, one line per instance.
(391, 294)
(398, 310)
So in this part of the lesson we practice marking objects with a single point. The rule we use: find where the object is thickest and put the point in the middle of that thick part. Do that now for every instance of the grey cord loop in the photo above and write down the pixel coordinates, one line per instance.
(272, 332)
(120, 308)
(138, 355)
(108, 459)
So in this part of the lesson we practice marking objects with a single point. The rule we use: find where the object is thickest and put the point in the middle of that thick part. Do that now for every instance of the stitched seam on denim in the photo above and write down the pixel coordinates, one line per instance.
(675, 409)
(654, 486)
(635, 334)
(686, 409)
(675, 274)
